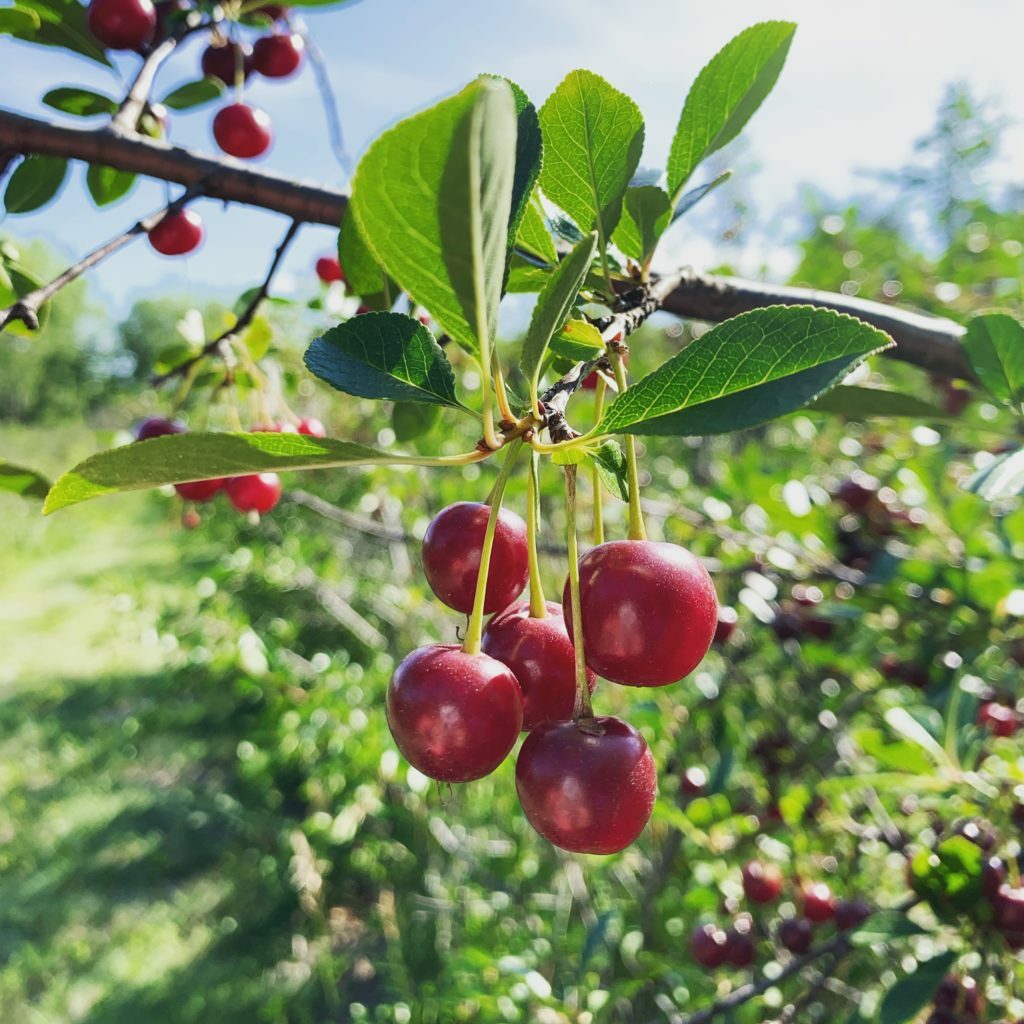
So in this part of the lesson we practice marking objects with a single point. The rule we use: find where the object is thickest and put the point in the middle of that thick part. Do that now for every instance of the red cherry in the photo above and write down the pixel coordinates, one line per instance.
(993, 875)
(451, 556)
(221, 60)
(166, 11)
(739, 942)
(959, 994)
(727, 619)
(709, 945)
(649, 611)
(762, 882)
(857, 492)
(818, 903)
(122, 24)
(278, 55)
(1008, 911)
(541, 656)
(787, 624)
(199, 490)
(242, 131)
(587, 793)
(455, 716)
(177, 234)
(272, 12)
(364, 309)
(328, 269)
(694, 781)
(796, 934)
(850, 913)
(312, 427)
(157, 426)
(999, 719)
(257, 492)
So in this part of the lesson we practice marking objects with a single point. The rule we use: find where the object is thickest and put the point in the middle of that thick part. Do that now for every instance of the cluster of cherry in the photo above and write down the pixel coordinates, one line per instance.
(255, 493)
(713, 946)
(586, 784)
(239, 129)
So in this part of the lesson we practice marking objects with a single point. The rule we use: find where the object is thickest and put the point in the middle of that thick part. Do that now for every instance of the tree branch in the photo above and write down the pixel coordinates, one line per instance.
(223, 179)
(127, 117)
(221, 342)
(26, 309)
(932, 343)
(329, 102)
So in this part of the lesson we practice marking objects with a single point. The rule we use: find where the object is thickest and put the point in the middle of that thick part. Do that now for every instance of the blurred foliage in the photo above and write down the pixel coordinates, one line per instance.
(204, 817)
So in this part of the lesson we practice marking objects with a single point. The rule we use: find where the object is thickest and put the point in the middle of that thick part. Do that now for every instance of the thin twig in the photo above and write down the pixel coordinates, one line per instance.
(330, 104)
(127, 117)
(222, 343)
(26, 309)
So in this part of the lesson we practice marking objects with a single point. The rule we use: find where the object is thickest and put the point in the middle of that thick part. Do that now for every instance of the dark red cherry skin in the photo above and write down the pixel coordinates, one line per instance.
(177, 234)
(272, 12)
(258, 492)
(857, 492)
(649, 611)
(762, 883)
(328, 269)
(312, 427)
(1008, 913)
(818, 903)
(278, 55)
(242, 131)
(709, 945)
(166, 12)
(222, 61)
(694, 781)
(541, 656)
(850, 913)
(739, 944)
(959, 994)
(796, 934)
(726, 625)
(122, 24)
(451, 556)
(454, 716)
(199, 490)
(157, 426)
(999, 719)
(587, 793)
(993, 875)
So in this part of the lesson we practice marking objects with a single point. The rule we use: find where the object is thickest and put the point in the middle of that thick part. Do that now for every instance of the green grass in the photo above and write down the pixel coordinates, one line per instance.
(137, 879)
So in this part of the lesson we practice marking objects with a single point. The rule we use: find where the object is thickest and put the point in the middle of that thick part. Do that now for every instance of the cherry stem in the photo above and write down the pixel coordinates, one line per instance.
(595, 477)
(475, 628)
(637, 530)
(583, 711)
(538, 606)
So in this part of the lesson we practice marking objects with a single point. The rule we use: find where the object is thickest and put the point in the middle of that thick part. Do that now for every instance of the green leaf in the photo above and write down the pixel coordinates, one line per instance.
(911, 994)
(1003, 477)
(533, 235)
(432, 198)
(593, 137)
(994, 343)
(645, 215)
(411, 420)
(579, 341)
(80, 102)
(194, 94)
(863, 403)
(16, 21)
(15, 284)
(610, 460)
(554, 305)
(62, 23)
(35, 181)
(903, 722)
(885, 926)
(363, 275)
(384, 355)
(725, 96)
(108, 184)
(19, 480)
(524, 277)
(950, 878)
(529, 156)
(179, 458)
(695, 195)
(734, 358)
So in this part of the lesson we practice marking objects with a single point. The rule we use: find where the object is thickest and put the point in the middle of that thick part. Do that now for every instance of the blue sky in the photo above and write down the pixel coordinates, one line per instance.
(862, 81)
